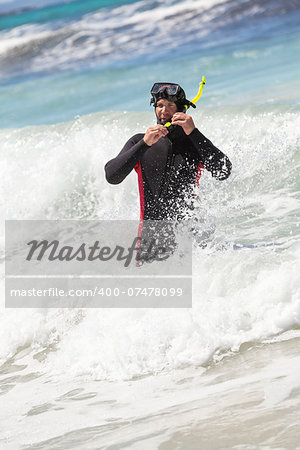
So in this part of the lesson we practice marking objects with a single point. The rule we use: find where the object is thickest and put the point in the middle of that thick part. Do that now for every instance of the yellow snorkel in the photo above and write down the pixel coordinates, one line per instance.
(201, 84)
(200, 90)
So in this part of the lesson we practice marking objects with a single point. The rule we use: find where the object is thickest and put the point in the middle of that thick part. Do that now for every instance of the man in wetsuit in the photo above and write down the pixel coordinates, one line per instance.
(168, 160)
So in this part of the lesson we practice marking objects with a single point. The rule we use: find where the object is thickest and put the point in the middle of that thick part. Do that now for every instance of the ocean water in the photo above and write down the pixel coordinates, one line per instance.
(75, 80)
(74, 58)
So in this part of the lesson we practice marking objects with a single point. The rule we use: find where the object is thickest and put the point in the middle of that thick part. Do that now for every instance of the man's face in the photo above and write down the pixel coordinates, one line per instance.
(165, 110)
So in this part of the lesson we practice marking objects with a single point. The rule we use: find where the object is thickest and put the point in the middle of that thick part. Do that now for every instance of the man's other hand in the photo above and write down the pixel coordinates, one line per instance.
(153, 134)
(184, 121)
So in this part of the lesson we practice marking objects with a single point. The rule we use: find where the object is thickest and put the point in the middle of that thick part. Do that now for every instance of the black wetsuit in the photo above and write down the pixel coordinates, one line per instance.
(168, 170)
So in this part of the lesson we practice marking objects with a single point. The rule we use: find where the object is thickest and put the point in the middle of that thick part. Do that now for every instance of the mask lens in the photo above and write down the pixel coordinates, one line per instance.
(171, 89)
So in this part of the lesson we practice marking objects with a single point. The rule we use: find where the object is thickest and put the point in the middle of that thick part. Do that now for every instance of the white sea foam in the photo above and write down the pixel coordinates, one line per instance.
(20, 36)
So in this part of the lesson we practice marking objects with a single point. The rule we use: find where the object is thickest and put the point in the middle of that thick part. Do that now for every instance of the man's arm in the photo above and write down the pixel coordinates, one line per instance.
(117, 169)
(210, 156)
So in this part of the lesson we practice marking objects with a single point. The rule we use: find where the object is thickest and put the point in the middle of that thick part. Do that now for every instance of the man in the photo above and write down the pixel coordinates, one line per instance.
(168, 160)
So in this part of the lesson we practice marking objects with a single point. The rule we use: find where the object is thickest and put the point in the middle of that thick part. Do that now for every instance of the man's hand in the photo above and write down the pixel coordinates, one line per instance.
(185, 121)
(153, 134)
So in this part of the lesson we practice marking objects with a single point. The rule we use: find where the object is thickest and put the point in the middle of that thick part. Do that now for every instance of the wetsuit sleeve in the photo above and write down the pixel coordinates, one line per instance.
(117, 169)
(210, 156)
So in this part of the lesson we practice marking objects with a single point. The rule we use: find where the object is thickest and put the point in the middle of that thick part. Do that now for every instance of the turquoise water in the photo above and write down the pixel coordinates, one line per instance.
(73, 58)
(59, 11)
